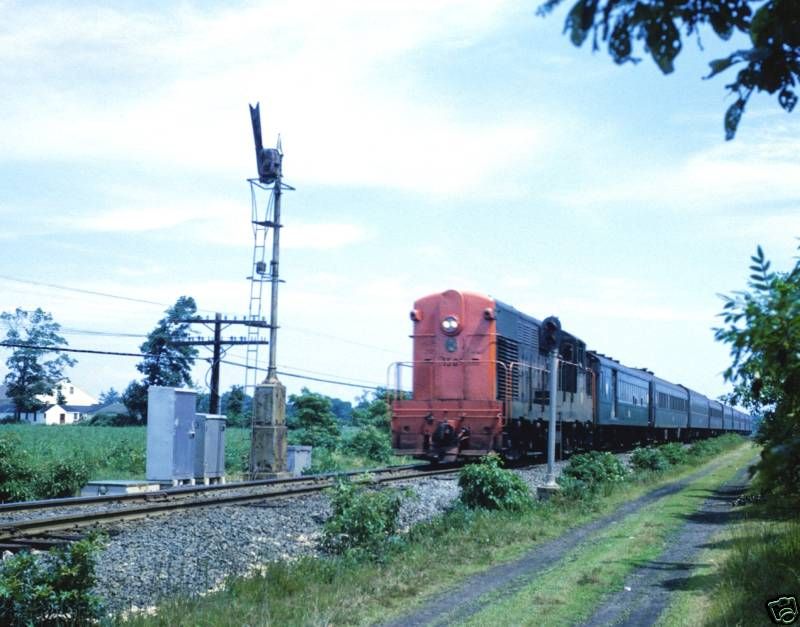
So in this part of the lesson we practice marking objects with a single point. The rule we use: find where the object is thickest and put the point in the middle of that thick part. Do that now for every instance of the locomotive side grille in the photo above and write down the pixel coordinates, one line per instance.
(508, 353)
(528, 335)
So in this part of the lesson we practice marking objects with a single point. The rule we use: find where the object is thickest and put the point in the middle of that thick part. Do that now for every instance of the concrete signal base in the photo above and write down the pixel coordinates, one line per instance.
(268, 448)
(544, 492)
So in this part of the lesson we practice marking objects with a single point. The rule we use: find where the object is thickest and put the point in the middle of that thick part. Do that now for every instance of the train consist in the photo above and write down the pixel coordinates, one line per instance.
(480, 384)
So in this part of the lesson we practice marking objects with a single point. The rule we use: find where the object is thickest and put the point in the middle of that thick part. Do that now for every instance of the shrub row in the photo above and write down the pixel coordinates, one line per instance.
(364, 521)
(659, 458)
(50, 589)
(22, 480)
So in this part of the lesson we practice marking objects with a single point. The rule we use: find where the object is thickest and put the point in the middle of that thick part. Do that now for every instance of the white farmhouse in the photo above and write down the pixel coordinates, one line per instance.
(75, 403)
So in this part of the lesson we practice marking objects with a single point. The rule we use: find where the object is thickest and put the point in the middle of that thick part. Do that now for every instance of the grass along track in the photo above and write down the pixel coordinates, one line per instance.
(438, 557)
(570, 591)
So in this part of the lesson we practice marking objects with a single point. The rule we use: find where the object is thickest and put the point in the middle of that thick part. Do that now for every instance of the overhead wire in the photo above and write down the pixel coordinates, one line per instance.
(305, 377)
(150, 302)
(66, 349)
(73, 331)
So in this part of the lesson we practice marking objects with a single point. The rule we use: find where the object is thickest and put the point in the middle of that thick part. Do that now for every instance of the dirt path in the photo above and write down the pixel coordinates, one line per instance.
(511, 577)
(646, 590)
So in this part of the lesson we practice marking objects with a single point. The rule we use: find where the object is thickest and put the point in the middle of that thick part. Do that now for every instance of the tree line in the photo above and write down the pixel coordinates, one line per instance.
(37, 365)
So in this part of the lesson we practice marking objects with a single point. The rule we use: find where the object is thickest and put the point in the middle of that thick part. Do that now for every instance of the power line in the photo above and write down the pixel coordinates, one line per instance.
(82, 291)
(307, 378)
(70, 331)
(340, 339)
(150, 302)
(65, 349)
(231, 363)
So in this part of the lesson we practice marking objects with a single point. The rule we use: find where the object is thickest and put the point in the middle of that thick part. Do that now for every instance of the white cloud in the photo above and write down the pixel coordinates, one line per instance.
(754, 171)
(211, 222)
(335, 79)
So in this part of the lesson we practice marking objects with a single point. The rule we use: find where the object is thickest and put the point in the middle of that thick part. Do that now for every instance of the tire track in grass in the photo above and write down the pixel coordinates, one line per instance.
(469, 597)
(646, 591)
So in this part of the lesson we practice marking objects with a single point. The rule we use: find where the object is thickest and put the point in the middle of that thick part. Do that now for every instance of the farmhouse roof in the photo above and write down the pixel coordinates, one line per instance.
(116, 407)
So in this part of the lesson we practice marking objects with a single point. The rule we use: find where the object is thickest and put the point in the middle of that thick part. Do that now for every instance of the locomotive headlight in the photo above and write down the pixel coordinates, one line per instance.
(450, 325)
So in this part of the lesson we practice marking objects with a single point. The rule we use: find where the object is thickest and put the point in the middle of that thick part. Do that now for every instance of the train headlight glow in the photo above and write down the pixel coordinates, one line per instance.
(450, 325)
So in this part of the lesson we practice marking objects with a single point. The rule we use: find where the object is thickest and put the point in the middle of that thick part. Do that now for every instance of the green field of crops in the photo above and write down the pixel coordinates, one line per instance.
(109, 452)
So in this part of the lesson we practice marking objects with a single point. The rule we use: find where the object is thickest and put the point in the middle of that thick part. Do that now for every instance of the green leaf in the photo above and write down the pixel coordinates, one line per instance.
(720, 65)
(761, 25)
(575, 24)
(732, 117)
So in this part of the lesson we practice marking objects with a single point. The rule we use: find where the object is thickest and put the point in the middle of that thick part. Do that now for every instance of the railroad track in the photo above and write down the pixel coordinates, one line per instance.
(44, 526)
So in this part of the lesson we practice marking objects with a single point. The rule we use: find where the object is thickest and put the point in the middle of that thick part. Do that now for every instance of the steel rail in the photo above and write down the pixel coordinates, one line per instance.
(178, 491)
(18, 530)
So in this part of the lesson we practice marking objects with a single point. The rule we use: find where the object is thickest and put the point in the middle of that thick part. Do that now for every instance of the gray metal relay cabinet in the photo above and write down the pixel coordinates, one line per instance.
(209, 452)
(170, 435)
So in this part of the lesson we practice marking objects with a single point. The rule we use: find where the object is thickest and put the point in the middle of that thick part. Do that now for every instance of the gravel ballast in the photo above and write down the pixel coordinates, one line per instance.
(191, 552)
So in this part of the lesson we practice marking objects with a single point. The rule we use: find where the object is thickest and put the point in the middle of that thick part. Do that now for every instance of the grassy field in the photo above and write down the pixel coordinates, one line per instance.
(446, 550)
(110, 452)
(119, 452)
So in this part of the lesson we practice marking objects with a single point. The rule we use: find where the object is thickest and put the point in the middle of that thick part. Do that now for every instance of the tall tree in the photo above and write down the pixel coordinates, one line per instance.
(373, 410)
(763, 331)
(233, 401)
(771, 63)
(135, 400)
(33, 336)
(315, 418)
(237, 406)
(168, 361)
(108, 397)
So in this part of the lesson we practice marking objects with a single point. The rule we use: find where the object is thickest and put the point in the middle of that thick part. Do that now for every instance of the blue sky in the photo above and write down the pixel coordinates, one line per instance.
(433, 145)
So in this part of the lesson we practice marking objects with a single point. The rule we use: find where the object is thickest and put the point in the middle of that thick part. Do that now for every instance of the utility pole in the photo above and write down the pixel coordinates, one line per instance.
(213, 402)
(217, 343)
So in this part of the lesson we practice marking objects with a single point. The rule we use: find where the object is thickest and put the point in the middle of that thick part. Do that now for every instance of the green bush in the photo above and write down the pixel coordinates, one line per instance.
(16, 473)
(370, 442)
(595, 468)
(779, 472)
(363, 521)
(314, 436)
(714, 446)
(130, 459)
(50, 590)
(485, 484)
(675, 453)
(649, 459)
(315, 422)
(64, 477)
(573, 489)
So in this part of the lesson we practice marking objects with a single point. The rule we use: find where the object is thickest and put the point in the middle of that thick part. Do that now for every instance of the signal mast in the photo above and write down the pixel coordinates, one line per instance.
(268, 443)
